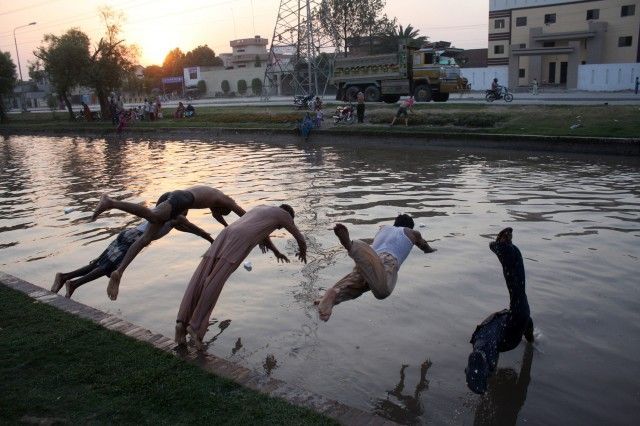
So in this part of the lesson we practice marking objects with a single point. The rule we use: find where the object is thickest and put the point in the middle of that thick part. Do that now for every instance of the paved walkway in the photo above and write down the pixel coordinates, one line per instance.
(208, 362)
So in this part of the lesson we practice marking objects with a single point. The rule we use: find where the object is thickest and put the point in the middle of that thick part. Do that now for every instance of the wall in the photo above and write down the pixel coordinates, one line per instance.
(481, 78)
(608, 77)
(213, 77)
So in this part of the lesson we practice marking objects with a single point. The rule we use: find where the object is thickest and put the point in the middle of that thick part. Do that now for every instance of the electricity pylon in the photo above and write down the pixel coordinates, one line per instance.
(301, 54)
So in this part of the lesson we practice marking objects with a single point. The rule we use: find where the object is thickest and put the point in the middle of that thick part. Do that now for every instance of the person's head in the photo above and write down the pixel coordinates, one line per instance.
(495, 80)
(404, 221)
(505, 236)
(477, 372)
(288, 209)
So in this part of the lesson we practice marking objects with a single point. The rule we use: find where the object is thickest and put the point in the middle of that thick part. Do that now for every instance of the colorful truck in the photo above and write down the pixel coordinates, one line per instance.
(427, 74)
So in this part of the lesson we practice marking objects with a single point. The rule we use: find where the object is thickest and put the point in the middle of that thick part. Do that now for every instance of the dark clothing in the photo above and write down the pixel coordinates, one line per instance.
(180, 201)
(402, 112)
(360, 113)
(503, 330)
(111, 258)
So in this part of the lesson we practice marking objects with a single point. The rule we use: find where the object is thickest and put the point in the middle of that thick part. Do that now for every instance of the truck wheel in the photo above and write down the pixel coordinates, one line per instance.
(422, 93)
(390, 99)
(352, 93)
(372, 94)
(441, 97)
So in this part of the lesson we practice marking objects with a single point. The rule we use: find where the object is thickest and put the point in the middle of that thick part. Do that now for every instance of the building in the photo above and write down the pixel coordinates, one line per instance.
(588, 44)
(247, 62)
(249, 52)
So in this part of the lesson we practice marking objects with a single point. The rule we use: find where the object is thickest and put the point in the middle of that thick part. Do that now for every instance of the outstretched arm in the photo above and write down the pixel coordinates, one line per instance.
(302, 245)
(419, 242)
(267, 244)
(182, 224)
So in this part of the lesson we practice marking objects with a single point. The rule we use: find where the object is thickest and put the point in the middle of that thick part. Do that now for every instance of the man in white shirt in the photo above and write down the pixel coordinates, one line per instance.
(377, 264)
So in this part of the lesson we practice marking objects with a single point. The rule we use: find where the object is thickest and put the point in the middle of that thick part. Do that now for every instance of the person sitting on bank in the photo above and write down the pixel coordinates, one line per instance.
(179, 111)
(377, 264)
(189, 111)
(86, 112)
(501, 331)
(403, 110)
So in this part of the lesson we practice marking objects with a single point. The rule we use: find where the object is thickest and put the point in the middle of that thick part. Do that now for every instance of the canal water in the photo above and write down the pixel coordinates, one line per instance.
(576, 220)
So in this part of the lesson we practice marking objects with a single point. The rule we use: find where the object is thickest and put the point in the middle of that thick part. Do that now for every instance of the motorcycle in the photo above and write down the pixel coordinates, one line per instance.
(344, 114)
(503, 93)
(303, 102)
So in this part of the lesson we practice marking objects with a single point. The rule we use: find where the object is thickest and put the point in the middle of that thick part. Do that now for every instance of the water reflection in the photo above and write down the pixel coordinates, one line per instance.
(506, 395)
(405, 408)
(580, 223)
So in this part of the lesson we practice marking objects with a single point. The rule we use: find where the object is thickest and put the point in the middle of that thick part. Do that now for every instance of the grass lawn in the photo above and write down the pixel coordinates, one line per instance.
(58, 368)
(593, 121)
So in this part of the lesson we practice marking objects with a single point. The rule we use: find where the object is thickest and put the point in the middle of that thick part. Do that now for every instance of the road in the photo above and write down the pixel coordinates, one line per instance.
(545, 98)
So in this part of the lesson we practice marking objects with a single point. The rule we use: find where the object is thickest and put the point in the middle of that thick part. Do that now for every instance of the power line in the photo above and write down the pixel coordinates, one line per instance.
(28, 7)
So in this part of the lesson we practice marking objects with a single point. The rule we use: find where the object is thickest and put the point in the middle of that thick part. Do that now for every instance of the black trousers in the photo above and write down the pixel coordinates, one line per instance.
(360, 113)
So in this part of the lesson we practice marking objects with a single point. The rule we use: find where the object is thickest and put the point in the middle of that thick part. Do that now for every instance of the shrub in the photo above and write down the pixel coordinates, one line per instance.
(256, 86)
(202, 87)
(225, 86)
(242, 86)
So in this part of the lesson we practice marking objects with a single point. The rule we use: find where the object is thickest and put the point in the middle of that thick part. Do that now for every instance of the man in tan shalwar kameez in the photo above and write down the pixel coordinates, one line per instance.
(232, 246)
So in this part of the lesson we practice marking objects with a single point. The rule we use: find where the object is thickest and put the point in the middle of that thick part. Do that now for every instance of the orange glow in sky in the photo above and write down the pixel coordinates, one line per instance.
(157, 26)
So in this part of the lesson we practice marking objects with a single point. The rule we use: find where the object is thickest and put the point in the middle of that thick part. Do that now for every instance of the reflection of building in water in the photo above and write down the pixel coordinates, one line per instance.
(405, 409)
(506, 394)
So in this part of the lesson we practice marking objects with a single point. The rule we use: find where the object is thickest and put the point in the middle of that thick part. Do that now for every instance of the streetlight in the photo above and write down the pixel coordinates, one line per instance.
(18, 58)
(16, 43)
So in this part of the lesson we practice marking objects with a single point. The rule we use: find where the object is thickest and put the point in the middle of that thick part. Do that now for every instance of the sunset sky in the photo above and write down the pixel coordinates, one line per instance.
(157, 26)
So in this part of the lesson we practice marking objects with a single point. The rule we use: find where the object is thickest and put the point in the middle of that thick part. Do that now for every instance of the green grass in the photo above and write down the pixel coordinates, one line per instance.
(60, 368)
(595, 121)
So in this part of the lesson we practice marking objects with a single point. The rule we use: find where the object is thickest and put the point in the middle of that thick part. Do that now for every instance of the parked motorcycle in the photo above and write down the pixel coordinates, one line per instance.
(303, 102)
(503, 93)
(344, 114)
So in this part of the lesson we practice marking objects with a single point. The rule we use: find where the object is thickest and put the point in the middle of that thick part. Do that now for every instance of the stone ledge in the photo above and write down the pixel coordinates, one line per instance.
(221, 367)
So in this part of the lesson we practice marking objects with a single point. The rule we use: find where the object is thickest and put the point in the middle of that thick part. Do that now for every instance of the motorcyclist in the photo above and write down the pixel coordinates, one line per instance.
(496, 88)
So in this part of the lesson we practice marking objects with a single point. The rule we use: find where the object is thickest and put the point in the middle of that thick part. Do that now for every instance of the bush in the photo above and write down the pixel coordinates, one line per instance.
(202, 87)
(225, 86)
(256, 86)
(242, 86)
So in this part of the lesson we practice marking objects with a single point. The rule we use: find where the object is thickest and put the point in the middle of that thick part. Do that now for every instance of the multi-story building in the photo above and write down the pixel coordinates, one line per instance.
(249, 52)
(587, 44)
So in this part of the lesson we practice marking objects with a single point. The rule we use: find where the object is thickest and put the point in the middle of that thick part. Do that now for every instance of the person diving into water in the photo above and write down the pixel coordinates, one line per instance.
(501, 331)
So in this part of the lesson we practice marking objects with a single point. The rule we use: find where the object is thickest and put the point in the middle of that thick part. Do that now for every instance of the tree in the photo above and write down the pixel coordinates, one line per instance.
(225, 86)
(173, 64)
(242, 86)
(348, 19)
(202, 87)
(202, 56)
(256, 86)
(7, 80)
(65, 60)
(152, 78)
(408, 35)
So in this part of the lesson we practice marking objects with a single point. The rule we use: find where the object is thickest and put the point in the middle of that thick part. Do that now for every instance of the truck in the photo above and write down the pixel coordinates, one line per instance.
(426, 73)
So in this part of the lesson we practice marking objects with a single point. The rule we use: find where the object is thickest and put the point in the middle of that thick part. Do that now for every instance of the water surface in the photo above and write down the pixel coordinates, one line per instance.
(576, 220)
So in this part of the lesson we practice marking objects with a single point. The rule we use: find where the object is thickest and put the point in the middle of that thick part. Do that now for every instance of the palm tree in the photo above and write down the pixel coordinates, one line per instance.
(408, 35)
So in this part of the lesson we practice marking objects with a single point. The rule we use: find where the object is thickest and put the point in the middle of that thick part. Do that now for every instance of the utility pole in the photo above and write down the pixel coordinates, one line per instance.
(301, 53)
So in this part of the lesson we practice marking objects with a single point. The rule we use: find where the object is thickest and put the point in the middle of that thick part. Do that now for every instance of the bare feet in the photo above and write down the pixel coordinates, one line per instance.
(103, 205)
(57, 282)
(114, 284)
(68, 285)
(181, 334)
(197, 341)
(325, 305)
(342, 233)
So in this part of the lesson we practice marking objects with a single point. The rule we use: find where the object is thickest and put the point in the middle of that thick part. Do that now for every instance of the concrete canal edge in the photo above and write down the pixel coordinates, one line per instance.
(241, 375)
(375, 137)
